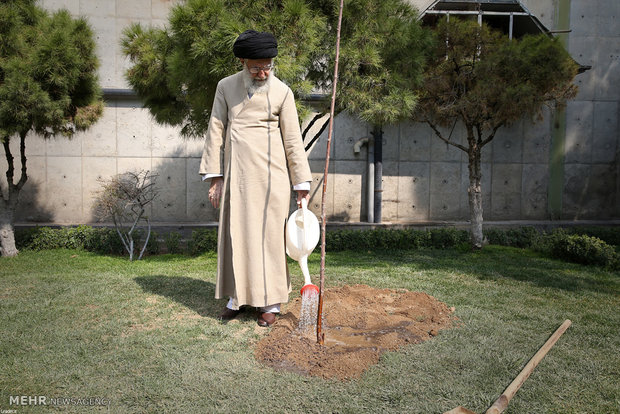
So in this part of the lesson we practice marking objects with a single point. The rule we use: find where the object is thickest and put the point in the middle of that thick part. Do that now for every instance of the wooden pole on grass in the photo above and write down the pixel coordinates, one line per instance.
(502, 402)
(320, 336)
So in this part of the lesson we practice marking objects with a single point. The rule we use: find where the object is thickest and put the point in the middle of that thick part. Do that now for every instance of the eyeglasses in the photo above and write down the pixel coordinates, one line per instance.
(255, 69)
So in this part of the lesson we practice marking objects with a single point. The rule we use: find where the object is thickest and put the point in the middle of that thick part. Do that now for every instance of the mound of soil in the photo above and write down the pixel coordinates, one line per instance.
(360, 323)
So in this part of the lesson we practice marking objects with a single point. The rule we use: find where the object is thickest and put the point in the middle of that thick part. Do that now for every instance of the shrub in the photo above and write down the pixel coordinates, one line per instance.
(448, 237)
(139, 236)
(525, 237)
(152, 247)
(548, 240)
(172, 241)
(385, 239)
(202, 241)
(583, 249)
(97, 240)
(124, 198)
(24, 237)
(416, 239)
(76, 237)
(610, 235)
(105, 241)
(565, 244)
(521, 237)
(46, 238)
(496, 236)
(339, 240)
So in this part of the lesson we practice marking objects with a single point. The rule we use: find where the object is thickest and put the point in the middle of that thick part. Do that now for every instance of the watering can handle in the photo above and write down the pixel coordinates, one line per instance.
(301, 214)
(300, 221)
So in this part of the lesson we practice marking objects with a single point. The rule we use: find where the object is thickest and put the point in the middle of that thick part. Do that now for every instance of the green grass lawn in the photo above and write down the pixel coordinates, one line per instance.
(144, 336)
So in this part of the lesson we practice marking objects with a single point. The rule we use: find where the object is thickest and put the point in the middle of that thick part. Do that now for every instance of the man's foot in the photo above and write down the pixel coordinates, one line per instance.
(266, 319)
(229, 314)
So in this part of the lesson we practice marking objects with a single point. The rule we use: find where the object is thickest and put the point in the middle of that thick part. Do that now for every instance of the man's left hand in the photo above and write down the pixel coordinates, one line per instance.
(302, 194)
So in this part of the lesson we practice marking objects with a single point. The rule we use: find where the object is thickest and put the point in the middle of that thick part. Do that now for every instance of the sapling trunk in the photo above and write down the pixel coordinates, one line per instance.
(320, 336)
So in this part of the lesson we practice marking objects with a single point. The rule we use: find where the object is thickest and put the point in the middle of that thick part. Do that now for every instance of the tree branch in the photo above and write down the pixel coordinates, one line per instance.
(125, 197)
(465, 116)
(479, 132)
(316, 118)
(490, 137)
(135, 222)
(117, 227)
(10, 171)
(438, 133)
(146, 242)
(317, 135)
(22, 153)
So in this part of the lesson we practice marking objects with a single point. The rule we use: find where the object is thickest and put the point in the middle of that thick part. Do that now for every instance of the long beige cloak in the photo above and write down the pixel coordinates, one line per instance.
(255, 143)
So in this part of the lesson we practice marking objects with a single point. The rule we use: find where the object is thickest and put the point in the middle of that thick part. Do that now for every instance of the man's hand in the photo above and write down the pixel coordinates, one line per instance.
(302, 194)
(215, 191)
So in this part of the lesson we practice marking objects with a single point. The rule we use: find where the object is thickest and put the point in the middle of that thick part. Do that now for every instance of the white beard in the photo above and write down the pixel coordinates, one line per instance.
(255, 86)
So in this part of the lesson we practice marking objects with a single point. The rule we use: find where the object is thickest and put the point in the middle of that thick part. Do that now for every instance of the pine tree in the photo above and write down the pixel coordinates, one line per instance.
(48, 84)
(175, 70)
(382, 57)
(383, 53)
(481, 78)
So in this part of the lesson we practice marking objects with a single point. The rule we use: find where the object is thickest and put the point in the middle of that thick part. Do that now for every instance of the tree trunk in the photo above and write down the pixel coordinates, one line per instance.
(7, 233)
(475, 190)
(8, 205)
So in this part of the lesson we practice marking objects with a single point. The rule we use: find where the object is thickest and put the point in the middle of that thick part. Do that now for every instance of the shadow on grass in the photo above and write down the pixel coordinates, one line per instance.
(495, 263)
(196, 294)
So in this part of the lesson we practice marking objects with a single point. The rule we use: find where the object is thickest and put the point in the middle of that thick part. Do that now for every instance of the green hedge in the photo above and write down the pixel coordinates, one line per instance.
(104, 241)
(173, 242)
(573, 244)
(581, 248)
(586, 245)
(65, 237)
(521, 237)
(388, 239)
(610, 235)
(202, 241)
(98, 240)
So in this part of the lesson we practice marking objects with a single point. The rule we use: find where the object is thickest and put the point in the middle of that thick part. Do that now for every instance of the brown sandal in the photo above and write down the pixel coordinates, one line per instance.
(266, 319)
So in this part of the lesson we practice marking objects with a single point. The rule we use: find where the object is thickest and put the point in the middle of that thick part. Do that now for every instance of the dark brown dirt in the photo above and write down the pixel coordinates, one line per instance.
(360, 323)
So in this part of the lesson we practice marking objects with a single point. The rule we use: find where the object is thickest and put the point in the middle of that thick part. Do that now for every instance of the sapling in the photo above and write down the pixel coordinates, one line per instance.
(124, 199)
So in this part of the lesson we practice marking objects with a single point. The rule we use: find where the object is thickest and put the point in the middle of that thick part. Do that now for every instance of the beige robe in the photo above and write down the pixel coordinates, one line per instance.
(255, 143)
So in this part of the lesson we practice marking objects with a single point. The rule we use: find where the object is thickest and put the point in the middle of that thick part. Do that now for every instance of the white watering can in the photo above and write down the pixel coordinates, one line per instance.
(302, 236)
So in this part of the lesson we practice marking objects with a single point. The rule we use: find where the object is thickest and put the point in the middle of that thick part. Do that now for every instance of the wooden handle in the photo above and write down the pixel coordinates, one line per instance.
(502, 402)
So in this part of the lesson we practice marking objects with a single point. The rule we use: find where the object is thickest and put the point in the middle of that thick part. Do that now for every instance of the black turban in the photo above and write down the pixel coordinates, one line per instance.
(255, 45)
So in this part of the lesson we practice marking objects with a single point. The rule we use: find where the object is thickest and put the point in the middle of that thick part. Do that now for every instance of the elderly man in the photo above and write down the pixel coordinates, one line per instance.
(253, 153)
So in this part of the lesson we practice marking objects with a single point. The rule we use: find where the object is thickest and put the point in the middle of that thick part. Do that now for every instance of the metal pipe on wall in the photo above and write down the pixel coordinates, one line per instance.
(370, 174)
(377, 134)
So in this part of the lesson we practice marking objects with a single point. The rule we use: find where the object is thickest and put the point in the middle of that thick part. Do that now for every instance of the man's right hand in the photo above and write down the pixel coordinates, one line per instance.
(215, 191)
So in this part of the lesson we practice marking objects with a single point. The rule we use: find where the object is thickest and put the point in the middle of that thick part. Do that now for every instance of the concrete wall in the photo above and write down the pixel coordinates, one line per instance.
(424, 179)
(591, 165)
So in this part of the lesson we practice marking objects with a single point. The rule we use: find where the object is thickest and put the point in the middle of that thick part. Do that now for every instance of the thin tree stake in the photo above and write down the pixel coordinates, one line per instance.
(320, 336)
